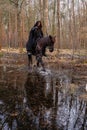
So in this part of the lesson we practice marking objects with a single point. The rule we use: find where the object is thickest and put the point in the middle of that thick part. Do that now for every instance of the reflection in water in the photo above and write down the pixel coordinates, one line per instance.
(32, 101)
(38, 102)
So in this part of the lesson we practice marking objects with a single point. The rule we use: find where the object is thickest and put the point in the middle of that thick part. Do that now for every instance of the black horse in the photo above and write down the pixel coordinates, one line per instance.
(39, 50)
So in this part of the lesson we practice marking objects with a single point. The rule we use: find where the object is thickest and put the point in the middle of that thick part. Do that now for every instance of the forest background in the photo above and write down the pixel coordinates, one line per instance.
(67, 19)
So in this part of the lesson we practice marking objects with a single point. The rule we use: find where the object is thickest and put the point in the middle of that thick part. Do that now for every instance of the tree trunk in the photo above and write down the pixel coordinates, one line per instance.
(58, 23)
(16, 31)
(79, 21)
(53, 22)
(9, 30)
(73, 27)
(46, 20)
(0, 29)
(41, 11)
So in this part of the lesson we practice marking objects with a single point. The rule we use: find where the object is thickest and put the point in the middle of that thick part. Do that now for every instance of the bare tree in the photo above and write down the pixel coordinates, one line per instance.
(41, 11)
(54, 17)
(68, 21)
(73, 26)
(0, 29)
(58, 23)
(46, 20)
(18, 6)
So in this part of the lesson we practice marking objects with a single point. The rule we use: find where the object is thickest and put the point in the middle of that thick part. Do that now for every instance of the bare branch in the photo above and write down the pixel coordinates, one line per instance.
(14, 2)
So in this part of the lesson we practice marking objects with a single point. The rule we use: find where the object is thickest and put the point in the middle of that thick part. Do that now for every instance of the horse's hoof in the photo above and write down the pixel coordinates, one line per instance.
(34, 66)
(29, 67)
(44, 70)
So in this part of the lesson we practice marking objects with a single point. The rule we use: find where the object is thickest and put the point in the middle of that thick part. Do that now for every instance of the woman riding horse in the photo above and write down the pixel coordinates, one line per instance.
(35, 33)
(36, 40)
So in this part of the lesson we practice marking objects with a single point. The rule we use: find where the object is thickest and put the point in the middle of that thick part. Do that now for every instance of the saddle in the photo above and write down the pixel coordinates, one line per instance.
(34, 47)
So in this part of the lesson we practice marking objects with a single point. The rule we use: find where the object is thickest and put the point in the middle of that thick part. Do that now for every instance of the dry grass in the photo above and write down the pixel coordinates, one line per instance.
(64, 56)
(61, 51)
(13, 50)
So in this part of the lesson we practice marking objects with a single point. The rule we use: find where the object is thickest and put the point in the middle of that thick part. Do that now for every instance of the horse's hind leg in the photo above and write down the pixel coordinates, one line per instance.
(38, 61)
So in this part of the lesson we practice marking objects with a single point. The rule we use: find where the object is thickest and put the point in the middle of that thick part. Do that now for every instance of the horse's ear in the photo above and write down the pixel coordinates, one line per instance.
(50, 36)
(55, 37)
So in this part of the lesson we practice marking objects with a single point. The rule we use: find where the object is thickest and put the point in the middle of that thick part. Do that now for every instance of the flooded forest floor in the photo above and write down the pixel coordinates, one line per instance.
(37, 100)
(75, 66)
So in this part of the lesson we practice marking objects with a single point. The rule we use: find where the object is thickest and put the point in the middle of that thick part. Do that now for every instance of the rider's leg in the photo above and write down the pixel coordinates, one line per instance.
(44, 51)
(29, 58)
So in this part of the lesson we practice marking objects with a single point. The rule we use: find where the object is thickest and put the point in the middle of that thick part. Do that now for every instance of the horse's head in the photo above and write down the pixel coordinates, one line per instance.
(51, 43)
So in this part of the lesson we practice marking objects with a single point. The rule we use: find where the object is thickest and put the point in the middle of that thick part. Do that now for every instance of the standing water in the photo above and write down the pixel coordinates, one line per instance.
(39, 101)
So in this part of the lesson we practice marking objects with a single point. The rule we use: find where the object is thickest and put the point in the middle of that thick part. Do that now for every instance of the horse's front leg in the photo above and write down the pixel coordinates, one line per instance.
(40, 61)
(42, 64)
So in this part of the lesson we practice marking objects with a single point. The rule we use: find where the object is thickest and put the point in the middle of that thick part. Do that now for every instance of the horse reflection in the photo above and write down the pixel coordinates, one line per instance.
(37, 100)
(35, 90)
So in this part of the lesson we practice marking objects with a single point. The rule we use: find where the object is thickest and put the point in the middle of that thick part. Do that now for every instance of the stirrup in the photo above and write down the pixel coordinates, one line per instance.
(29, 53)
